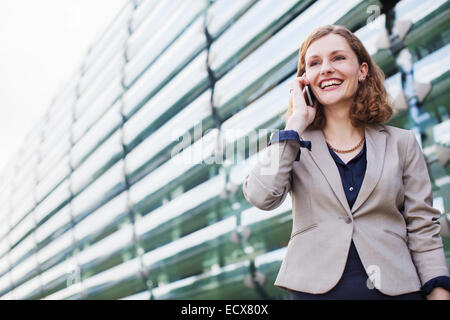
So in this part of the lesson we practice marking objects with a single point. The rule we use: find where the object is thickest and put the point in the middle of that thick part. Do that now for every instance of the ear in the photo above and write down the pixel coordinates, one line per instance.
(363, 70)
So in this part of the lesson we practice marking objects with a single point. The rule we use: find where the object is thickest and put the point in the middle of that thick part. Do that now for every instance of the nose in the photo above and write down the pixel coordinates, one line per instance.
(326, 67)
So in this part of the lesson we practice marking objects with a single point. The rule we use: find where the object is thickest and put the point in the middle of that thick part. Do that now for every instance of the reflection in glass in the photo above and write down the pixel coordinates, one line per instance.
(54, 226)
(57, 198)
(113, 38)
(224, 12)
(107, 185)
(414, 10)
(178, 20)
(101, 218)
(247, 28)
(96, 135)
(433, 65)
(180, 53)
(106, 155)
(168, 98)
(153, 22)
(192, 116)
(176, 168)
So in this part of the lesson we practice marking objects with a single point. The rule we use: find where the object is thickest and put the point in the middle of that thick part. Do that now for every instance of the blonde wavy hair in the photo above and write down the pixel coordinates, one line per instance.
(371, 103)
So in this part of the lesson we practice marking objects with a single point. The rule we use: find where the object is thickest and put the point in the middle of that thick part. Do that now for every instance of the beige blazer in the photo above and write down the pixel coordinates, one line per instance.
(393, 224)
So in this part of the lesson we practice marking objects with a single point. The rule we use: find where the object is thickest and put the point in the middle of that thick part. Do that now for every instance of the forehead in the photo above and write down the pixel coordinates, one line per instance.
(327, 44)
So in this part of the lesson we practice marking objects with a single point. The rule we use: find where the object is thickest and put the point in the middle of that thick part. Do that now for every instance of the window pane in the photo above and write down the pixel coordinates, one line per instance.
(169, 99)
(188, 118)
(171, 62)
(105, 156)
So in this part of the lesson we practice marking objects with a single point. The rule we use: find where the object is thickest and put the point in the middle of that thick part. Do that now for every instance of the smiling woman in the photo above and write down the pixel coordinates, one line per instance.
(335, 47)
(357, 178)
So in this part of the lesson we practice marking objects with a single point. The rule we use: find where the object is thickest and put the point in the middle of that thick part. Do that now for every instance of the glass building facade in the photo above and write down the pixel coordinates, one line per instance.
(130, 186)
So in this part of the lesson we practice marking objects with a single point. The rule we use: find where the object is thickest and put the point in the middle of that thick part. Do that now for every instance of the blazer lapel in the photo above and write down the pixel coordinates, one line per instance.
(375, 151)
(321, 156)
(375, 154)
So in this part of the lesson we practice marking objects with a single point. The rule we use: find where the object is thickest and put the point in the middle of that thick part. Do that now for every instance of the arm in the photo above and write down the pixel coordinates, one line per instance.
(437, 288)
(267, 184)
(423, 227)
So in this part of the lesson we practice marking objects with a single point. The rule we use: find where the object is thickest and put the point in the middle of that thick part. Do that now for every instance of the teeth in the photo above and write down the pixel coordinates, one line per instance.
(329, 83)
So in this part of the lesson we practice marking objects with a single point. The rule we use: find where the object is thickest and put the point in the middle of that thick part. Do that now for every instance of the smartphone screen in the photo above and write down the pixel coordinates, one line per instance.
(309, 96)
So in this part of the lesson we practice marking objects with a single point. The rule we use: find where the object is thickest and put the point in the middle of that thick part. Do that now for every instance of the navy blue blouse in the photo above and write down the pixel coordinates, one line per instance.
(352, 176)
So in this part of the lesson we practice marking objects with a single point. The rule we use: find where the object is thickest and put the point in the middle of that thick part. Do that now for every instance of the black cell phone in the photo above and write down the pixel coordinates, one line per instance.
(309, 95)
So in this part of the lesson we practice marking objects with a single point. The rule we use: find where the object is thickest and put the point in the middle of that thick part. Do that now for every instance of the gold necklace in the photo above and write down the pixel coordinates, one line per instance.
(345, 151)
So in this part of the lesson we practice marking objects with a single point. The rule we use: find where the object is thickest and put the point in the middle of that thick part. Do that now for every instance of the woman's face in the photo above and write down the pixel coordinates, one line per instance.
(333, 70)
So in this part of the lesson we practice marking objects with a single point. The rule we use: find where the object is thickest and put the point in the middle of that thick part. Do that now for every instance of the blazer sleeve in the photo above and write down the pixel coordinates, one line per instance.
(422, 220)
(269, 181)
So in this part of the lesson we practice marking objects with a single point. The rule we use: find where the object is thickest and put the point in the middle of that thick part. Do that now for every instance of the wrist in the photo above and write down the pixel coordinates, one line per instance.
(296, 123)
(439, 293)
(298, 129)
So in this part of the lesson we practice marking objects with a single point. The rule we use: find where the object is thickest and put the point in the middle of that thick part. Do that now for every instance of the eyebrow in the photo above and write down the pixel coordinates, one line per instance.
(332, 52)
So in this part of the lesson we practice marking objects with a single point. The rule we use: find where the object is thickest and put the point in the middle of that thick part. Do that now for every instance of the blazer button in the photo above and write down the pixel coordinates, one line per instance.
(348, 220)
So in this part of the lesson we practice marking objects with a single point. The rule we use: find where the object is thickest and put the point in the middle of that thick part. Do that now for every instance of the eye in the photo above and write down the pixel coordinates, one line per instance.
(313, 63)
(339, 58)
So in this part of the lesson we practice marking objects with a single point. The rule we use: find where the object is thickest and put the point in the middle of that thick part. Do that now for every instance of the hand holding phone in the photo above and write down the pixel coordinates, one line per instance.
(303, 105)
(309, 96)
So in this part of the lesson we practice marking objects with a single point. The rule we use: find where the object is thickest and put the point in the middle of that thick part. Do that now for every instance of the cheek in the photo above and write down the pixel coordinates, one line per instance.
(352, 76)
(353, 85)
(311, 75)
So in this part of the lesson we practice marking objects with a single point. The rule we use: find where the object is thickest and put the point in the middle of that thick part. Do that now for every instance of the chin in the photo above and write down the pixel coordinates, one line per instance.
(329, 102)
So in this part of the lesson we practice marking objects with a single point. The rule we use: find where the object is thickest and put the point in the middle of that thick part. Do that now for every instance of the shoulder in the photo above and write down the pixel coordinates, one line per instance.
(395, 131)
(404, 142)
(398, 140)
(395, 134)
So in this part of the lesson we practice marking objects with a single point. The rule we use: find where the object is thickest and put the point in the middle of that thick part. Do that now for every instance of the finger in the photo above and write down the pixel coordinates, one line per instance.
(291, 87)
(297, 95)
(303, 77)
(300, 83)
(294, 86)
(304, 80)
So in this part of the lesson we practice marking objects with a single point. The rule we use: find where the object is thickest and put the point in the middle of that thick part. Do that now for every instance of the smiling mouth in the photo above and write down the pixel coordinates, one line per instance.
(330, 85)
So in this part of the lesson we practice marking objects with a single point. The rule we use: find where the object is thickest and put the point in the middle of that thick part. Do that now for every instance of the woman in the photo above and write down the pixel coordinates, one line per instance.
(363, 222)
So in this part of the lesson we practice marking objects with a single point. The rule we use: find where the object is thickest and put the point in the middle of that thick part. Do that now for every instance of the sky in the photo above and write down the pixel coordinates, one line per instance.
(43, 43)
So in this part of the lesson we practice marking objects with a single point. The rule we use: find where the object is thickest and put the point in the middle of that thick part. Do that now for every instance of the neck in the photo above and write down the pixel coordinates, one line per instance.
(339, 127)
